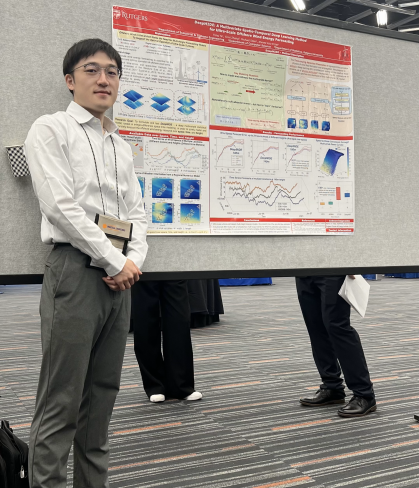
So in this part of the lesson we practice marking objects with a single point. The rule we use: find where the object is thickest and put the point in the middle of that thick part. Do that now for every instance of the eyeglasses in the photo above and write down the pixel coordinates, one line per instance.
(93, 70)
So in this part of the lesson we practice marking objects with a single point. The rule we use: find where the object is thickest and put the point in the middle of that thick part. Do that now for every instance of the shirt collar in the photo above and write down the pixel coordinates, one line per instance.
(82, 116)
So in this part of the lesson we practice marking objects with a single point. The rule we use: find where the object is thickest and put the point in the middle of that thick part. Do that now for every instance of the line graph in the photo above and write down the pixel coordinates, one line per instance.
(265, 155)
(299, 157)
(172, 155)
(257, 195)
(229, 153)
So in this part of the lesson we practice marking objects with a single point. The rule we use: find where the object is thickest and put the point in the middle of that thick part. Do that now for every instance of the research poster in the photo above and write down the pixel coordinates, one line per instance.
(236, 130)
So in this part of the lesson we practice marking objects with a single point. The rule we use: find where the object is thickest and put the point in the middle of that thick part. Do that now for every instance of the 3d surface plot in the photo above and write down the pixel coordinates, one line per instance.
(160, 108)
(186, 101)
(314, 124)
(160, 99)
(325, 125)
(186, 110)
(330, 162)
(292, 123)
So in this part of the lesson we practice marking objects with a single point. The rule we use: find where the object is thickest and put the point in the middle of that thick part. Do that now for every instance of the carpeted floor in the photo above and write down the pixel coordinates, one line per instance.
(249, 431)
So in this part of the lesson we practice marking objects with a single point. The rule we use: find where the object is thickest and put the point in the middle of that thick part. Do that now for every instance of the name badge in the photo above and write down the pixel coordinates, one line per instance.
(119, 232)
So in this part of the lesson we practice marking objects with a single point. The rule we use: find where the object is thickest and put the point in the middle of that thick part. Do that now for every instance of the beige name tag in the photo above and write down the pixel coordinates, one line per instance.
(119, 232)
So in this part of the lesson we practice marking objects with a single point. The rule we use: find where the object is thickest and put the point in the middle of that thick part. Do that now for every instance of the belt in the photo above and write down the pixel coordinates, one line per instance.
(61, 244)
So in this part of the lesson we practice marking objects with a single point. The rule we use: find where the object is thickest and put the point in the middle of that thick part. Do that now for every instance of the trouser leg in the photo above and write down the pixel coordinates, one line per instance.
(91, 446)
(74, 307)
(324, 355)
(345, 339)
(147, 335)
(177, 344)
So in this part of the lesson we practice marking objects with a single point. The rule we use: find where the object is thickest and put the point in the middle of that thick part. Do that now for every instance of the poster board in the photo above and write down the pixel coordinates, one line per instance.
(236, 131)
(385, 73)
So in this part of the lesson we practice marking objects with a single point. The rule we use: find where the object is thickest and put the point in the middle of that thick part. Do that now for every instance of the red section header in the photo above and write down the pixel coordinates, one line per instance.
(277, 133)
(162, 136)
(228, 35)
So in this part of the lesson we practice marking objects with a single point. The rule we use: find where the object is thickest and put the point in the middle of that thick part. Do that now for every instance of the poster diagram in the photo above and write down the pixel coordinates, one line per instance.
(166, 155)
(229, 153)
(190, 189)
(335, 161)
(335, 198)
(265, 155)
(236, 130)
(262, 196)
(299, 157)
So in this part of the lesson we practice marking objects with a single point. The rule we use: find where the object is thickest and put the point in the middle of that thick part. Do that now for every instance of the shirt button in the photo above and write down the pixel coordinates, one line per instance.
(111, 187)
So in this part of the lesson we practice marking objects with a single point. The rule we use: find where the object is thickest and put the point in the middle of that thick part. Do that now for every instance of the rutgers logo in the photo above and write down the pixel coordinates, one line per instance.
(117, 14)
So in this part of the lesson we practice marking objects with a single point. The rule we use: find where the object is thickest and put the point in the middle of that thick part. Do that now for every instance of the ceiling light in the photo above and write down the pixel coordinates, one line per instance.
(409, 4)
(382, 17)
(381, 6)
(298, 5)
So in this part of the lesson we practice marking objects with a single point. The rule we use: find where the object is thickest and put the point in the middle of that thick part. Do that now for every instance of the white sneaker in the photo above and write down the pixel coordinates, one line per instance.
(157, 398)
(196, 395)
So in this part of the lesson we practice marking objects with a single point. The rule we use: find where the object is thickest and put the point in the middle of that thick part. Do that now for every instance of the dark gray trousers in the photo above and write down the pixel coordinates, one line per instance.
(334, 342)
(84, 328)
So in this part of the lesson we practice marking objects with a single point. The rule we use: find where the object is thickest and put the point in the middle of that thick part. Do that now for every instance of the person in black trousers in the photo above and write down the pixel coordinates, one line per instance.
(163, 307)
(335, 345)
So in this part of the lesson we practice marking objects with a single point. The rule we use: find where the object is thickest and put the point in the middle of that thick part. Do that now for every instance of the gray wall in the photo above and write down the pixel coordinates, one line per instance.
(35, 36)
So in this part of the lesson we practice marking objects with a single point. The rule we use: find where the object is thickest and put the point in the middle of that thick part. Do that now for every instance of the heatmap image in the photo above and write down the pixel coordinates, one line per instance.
(141, 181)
(190, 189)
(162, 213)
(190, 213)
(162, 188)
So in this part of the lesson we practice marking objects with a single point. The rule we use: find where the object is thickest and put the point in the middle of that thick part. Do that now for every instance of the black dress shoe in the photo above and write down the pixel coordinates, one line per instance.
(358, 407)
(324, 397)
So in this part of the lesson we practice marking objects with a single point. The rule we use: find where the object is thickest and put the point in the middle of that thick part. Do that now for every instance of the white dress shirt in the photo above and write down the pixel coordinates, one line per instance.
(65, 181)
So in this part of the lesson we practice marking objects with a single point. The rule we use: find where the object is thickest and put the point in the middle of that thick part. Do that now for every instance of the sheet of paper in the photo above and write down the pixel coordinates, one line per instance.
(356, 292)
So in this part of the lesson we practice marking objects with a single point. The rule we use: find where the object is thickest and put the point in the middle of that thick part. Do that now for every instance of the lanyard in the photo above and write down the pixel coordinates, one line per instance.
(97, 173)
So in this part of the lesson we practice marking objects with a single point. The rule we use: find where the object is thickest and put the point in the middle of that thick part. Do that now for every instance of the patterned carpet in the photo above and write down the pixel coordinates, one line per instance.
(249, 431)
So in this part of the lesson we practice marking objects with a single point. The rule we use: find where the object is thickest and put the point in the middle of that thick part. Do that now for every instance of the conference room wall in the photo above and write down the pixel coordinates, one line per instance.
(36, 35)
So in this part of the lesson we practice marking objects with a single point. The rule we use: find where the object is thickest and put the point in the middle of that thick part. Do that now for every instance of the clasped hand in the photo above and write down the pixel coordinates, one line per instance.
(125, 279)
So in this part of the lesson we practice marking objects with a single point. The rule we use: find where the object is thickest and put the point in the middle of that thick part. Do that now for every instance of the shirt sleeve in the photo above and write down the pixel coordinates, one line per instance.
(46, 151)
(137, 247)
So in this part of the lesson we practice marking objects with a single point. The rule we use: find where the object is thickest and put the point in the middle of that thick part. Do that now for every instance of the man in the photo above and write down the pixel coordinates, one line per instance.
(335, 345)
(80, 167)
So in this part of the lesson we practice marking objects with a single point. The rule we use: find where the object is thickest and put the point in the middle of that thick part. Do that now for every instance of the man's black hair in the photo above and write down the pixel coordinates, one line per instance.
(84, 49)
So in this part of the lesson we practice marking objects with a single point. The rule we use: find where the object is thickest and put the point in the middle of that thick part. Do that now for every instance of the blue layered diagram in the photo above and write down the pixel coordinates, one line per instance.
(160, 102)
(186, 105)
(133, 99)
